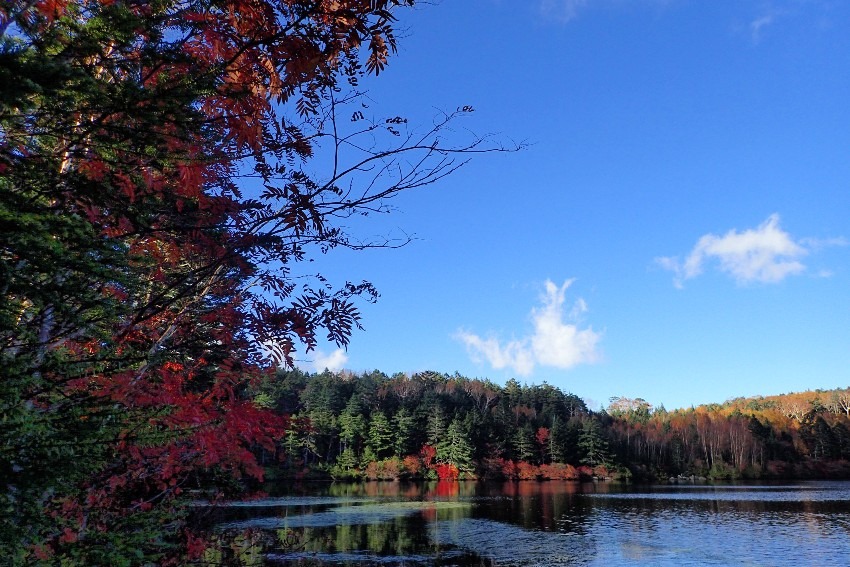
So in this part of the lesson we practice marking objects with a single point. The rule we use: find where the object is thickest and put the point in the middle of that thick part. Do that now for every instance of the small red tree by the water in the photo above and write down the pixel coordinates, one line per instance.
(585, 472)
(428, 454)
(447, 471)
(412, 465)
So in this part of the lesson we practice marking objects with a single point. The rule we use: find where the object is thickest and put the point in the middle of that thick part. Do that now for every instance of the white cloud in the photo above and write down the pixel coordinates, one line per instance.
(554, 342)
(515, 354)
(766, 254)
(333, 361)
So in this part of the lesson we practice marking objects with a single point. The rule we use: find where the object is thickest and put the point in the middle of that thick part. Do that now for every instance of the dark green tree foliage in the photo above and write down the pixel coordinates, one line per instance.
(353, 426)
(556, 445)
(285, 390)
(436, 425)
(380, 440)
(455, 448)
(522, 443)
(403, 432)
(819, 438)
(472, 424)
(464, 420)
(592, 443)
(841, 435)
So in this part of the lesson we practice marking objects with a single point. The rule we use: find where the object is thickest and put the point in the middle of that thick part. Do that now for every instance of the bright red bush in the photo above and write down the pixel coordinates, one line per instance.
(447, 471)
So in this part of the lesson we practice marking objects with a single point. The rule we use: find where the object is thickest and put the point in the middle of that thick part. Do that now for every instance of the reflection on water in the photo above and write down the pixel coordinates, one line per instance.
(547, 523)
(348, 515)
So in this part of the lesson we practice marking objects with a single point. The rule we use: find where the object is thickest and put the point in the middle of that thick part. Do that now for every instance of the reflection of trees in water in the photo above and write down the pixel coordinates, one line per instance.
(399, 537)
(238, 549)
(398, 524)
(404, 490)
(546, 506)
(508, 544)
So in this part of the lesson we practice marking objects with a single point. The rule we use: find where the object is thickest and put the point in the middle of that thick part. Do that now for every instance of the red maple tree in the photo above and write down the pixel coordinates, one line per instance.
(156, 204)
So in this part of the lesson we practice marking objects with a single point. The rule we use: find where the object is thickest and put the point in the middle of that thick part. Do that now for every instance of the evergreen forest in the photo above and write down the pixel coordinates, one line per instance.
(344, 426)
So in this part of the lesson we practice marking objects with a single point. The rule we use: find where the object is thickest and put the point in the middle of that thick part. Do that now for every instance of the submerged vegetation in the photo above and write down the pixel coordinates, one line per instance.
(437, 426)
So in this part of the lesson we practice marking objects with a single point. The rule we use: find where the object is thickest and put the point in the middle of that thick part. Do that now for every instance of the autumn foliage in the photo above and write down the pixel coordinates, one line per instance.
(538, 433)
(154, 204)
(447, 471)
(157, 213)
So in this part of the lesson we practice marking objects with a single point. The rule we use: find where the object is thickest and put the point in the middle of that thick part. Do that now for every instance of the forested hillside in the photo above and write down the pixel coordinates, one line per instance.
(432, 425)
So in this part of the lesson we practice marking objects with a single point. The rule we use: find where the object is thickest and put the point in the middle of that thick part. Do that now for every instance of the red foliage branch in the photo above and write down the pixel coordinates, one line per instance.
(159, 349)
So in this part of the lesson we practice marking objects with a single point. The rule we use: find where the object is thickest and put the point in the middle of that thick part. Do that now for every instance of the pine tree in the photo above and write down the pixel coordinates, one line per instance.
(592, 444)
(380, 439)
(352, 426)
(436, 427)
(523, 443)
(455, 447)
(404, 425)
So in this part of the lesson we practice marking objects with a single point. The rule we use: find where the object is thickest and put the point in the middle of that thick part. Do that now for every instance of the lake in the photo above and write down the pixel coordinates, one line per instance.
(541, 523)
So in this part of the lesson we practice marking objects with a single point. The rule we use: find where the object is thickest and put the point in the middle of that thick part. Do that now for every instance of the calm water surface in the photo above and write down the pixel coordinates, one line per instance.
(546, 523)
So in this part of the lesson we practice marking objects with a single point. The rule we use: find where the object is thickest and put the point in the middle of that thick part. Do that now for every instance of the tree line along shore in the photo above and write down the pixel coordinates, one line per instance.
(429, 425)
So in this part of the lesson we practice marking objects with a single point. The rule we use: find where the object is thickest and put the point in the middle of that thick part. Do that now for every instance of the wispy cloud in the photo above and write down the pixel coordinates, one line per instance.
(514, 354)
(561, 10)
(759, 24)
(818, 243)
(766, 254)
(554, 342)
(772, 15)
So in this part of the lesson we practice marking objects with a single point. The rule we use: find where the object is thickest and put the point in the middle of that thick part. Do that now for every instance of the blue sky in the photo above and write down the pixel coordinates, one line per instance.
(677, 227)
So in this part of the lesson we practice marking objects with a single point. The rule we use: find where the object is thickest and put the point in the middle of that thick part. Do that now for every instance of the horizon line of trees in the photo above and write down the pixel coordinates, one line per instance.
(434, 425)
